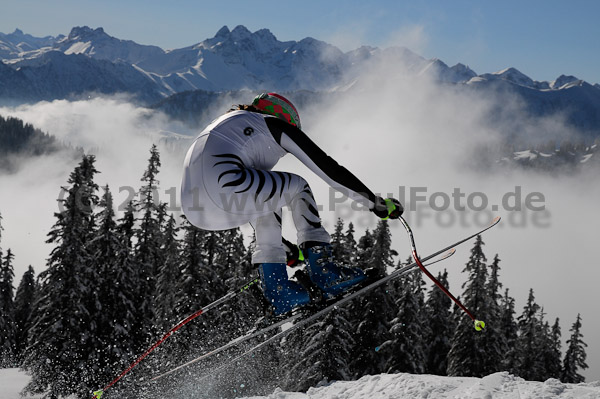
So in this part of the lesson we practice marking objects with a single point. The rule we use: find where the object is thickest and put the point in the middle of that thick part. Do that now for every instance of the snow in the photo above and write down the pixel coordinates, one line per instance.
(586, 158)
(527, 154)
(78, 48)
(12, 381)
(497, 386)
(391, 386)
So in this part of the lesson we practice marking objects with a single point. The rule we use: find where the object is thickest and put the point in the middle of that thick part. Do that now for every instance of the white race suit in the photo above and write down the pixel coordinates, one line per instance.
(228, 181)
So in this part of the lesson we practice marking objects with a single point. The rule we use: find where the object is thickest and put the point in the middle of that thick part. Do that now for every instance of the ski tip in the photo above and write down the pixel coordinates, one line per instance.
(495, 221)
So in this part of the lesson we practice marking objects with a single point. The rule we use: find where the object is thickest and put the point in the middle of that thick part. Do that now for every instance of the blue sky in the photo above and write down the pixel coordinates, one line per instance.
(543, 39)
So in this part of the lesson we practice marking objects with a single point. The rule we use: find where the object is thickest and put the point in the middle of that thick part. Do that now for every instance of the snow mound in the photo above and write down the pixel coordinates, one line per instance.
(12, 381)
(407, 386)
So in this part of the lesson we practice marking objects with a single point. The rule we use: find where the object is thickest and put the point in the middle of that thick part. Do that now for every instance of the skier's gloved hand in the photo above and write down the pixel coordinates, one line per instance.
(293, 253)
(389, 208)
(295, 256)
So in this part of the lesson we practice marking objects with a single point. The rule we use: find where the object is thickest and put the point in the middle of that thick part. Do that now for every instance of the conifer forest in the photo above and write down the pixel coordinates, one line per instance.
(115, 283)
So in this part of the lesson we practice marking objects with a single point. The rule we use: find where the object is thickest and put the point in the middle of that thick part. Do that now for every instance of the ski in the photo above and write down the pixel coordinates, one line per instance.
(215, 304)
(258, 332)
(339, 302)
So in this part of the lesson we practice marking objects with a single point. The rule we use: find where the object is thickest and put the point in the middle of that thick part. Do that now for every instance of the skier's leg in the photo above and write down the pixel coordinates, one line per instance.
(283, 294)
(314, 241)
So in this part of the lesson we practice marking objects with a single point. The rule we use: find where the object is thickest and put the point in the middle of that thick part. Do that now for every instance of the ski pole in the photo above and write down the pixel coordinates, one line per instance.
(98, 394)
(479, 324)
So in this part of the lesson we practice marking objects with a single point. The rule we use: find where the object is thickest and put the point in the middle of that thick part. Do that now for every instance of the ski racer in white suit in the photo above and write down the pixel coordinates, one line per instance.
(228, 182)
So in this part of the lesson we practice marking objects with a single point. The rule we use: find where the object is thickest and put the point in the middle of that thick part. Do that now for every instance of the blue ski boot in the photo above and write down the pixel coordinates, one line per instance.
(284, 295)
(331, 278)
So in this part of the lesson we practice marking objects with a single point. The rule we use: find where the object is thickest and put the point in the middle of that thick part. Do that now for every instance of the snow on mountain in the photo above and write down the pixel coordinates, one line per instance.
(562, 81)
(90, 60)
(238, 59)
(55, 75)
(95, 43)
(515, 76)
(14, 44)
(459, 73)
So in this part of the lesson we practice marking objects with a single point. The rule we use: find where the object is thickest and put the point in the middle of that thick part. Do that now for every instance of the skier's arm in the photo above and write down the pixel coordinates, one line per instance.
(297, 143)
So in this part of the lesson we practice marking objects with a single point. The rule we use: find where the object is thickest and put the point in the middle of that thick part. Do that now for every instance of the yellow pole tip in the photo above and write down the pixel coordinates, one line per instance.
(479, 325)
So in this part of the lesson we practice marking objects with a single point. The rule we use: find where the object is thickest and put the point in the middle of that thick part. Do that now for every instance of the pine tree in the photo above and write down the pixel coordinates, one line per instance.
(494, 341)
(406, 348)
(551, 354)
(370, 328)
(7, 320)
(147, 252)
(344, 244)
(441, 325)
(58, 351)
(529, 344)
(168, 273)
(575, 356)
(24, 301)
(349, 244)
(509, 330)
(323, 354)
(382, 254)
(364, 249)
(466, 356)
(337, 238)
(112, 259)
(194, 291)
(238, 316)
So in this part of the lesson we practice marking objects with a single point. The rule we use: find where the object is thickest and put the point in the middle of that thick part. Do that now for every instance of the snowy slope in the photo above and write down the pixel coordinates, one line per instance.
(13, 45)
(407, 386)
(393, 386)
(12, 381)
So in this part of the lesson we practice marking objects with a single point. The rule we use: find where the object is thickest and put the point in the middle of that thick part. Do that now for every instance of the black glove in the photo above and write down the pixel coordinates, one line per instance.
(389, 208)
(293, 253)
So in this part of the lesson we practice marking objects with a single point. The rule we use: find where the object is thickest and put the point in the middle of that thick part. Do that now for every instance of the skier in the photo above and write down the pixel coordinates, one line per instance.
(228, 182)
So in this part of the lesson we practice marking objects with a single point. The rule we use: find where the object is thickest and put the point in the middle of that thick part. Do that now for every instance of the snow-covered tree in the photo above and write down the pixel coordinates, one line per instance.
(466, 355)
(337, 238)
(438, 316)
(168, 273)
(508, 328)
(58, 352)
(529, 344)
(575, 356)
(364, 249)
(7, 312)
(350, 247)
(112, 259)
(551, 354)
(24, 302)
(147, 251)
(494, 341)
(238, 316)
(195, 290)
(370, 328)
(406, 348)
(323, 355)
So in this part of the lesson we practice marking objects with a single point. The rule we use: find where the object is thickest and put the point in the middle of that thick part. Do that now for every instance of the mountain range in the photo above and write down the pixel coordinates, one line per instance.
(89, 61)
